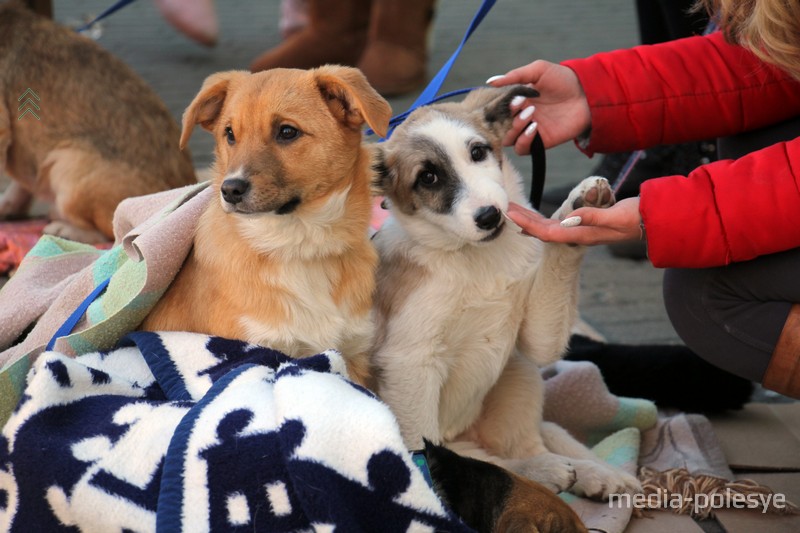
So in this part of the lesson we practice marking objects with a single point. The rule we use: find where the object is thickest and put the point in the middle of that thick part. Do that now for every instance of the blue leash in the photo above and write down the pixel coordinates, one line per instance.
(428, 95)
(436, 83)
(110, 11)
(69, 324)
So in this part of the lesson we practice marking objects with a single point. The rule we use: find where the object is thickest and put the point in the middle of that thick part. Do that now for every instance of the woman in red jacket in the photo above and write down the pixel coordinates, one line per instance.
(730, 230)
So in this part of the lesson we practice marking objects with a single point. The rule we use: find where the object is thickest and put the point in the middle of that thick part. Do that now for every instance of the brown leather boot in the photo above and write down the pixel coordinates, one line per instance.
(336, 33)
(783, 372)
(396, 56)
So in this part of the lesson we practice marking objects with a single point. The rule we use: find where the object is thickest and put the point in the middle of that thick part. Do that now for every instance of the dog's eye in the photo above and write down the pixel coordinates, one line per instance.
(427, 178)
(479, 152)
(287, 133)
(229, 135)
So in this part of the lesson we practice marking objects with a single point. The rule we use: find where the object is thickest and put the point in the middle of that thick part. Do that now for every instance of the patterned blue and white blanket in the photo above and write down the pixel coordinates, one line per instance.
(184, 432)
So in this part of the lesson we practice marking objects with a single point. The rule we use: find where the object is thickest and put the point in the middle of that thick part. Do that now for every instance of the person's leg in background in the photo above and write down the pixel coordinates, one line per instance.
(294, 17)
(336, 33)
(742, 317)
(386, 39)
(396, 55)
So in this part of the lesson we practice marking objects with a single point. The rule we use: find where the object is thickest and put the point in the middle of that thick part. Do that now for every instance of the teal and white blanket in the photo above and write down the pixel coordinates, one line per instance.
(185, 432)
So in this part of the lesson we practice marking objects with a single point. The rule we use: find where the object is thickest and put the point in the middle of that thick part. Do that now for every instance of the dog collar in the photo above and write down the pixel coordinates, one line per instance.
(421, 460)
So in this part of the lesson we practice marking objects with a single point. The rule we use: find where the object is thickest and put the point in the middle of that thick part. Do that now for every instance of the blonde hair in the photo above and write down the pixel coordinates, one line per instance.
(769, 28)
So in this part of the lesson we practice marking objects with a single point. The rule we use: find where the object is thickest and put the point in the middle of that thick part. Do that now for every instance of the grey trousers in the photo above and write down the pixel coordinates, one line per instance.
(732, 316)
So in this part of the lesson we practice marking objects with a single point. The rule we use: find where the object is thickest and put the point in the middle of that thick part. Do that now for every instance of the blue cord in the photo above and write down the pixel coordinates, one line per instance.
(69, 324)
(110, 11)
(428, 95)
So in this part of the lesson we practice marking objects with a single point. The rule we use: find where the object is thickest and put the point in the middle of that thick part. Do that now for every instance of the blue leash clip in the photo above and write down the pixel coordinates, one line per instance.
(419, 458)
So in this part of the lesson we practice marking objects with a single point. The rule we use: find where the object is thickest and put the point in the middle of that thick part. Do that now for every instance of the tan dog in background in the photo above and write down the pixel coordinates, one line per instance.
(282, 257)
(100, 134)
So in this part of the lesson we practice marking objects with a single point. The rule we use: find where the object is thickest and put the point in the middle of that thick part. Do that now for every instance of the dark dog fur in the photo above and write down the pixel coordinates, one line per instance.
(491, 499)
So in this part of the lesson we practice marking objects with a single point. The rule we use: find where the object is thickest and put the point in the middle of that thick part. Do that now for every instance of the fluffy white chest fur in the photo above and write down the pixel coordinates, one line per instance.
(468, 312)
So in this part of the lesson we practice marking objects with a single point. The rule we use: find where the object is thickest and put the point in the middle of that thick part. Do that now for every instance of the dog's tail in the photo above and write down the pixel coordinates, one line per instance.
(669, 375)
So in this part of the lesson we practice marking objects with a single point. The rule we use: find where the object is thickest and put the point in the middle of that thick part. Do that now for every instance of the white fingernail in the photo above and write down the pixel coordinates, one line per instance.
(517, 228)
(529, 131)
(517, 101)
(495, 78)
(527, 112)
(571, 221)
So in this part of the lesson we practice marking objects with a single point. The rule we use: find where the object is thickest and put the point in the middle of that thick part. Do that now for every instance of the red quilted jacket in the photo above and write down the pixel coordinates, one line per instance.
(693, 89)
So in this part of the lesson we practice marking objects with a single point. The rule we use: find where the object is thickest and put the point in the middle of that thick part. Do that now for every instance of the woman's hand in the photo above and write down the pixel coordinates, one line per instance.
(620, 222)
(561, 112)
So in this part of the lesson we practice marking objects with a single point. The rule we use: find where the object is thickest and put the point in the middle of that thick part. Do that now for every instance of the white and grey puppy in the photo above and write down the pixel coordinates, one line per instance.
(468, 309)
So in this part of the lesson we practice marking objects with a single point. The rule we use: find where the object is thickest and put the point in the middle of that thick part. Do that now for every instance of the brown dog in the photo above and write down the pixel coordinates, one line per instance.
(282, 257)
(78, 128)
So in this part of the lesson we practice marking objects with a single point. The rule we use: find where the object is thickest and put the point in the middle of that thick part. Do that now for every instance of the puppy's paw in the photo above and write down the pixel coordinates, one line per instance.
(555, 472)
(593, 191)
(598, 480)
(65, 230)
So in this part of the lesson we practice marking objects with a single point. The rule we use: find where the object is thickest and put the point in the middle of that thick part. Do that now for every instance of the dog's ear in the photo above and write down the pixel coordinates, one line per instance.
(492, 104)
(382, 175)
(206, 106)
(352, 99)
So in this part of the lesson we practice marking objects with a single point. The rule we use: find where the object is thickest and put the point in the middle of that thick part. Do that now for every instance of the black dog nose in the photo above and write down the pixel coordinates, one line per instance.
(487, 217)
(234, 189)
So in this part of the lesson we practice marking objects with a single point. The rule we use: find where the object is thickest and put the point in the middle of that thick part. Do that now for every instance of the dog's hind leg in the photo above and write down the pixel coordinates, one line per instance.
(596, 478)
(511, 433)
(86, 194)
(507, 432)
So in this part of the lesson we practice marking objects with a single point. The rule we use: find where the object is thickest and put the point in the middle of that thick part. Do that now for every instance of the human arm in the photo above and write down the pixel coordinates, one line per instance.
(620, 222)
(684, 90)
(722, 212)
(727, 211)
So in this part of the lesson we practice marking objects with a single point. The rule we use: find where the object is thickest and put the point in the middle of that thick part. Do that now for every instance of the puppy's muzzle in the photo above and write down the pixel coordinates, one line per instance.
(234, 190)
(488, 217)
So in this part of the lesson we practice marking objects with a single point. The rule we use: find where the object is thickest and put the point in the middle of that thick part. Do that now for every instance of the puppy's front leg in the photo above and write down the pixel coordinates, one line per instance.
(552, 303)
(410, 385)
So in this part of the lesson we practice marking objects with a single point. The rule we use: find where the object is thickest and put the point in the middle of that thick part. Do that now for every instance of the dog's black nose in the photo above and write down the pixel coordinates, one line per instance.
(487, 217)
(234, 189)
